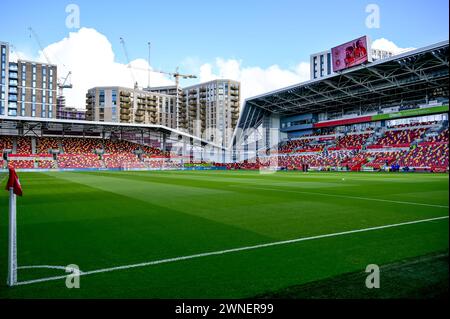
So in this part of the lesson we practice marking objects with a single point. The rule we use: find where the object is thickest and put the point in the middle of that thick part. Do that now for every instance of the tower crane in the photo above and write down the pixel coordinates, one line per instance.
(177, 75)
(61, 83)
(124, 48)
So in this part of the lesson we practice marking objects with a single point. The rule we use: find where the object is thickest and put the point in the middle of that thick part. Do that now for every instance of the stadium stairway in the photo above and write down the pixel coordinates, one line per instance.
(14, 145)
(33, 145)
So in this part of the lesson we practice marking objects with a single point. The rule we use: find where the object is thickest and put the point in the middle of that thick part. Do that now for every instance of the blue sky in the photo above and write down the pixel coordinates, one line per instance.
(250, 36)
(258, 32)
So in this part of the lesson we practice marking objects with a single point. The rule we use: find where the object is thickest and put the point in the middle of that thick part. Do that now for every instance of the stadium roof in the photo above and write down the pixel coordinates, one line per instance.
(405, 77)
(29, 124)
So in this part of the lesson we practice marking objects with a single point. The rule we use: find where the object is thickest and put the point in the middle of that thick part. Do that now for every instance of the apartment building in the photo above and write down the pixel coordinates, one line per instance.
(27, 88)
(126, 105)
(4, 68)
(209, 110)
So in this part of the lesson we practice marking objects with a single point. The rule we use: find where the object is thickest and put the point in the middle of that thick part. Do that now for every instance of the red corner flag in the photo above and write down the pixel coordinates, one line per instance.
(14, 182)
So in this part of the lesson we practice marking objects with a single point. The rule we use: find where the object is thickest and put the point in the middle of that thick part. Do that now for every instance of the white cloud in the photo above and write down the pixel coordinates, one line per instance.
(254, 80)
(90, 57)
(386, 45)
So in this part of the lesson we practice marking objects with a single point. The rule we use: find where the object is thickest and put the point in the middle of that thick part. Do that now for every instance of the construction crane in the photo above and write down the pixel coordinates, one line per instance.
(177, 75)
(62, 83)
(38, 41)
(16, 52)
(149, 65)
(124, 47)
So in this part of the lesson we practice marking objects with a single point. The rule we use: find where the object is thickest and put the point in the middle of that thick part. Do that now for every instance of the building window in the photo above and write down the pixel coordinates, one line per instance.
(101, 98)
(315, 67)
(328, 63)
(321, 65)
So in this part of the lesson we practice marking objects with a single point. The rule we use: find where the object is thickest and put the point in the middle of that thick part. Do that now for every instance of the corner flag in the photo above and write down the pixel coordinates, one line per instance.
(14, 183)
(14, 188)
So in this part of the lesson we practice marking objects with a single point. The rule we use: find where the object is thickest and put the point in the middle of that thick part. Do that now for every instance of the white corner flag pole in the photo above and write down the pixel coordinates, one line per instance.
(12, 243)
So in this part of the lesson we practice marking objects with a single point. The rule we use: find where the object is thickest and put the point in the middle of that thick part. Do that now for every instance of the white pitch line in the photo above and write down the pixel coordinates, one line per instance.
(344, 196)
(46, 267)
(227, 251)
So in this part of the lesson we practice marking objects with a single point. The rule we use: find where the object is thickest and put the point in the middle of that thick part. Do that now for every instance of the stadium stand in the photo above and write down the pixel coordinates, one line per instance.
(5, 143)
(79, 161)
(353, 141)
(427, 155)
(44, 144)
(407, 145)
(21, 164)
(377, 160)
(23, 145)
(46, 164)
(122, 160)
(400, 137)
(75, 145)
(443, 137)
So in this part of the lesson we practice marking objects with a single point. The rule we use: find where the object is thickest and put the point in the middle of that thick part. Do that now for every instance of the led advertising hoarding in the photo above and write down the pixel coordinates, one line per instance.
(350, 54)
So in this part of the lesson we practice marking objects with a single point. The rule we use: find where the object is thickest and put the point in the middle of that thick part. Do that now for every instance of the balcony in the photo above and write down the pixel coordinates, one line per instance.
(234, 93)
(124, 118)
(139, 119)
(152, 109)
(140, 112)
(125, 105)
(126, 94)
(125, 99)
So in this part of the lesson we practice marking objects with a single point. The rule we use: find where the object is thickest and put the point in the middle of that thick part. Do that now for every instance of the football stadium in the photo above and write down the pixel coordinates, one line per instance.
(330, 186)
(319, 180)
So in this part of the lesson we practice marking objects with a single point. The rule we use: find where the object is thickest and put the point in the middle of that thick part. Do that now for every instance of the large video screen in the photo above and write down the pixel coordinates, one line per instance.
(350, 54)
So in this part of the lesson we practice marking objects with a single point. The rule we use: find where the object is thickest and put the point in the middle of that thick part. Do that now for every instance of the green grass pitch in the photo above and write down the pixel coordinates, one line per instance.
(99, 220)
